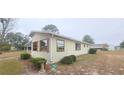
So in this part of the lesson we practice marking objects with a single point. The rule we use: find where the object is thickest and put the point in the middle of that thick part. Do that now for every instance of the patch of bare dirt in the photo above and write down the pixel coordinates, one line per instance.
(106, 63)
(28, 68)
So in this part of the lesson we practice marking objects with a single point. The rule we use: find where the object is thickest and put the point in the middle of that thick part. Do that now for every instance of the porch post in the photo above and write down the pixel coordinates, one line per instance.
(51, 48)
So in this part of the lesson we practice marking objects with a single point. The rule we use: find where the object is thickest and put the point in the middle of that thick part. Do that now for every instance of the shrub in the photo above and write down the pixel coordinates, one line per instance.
(37, 62)
(25, 56)
(5, 47)
(73, 57)
(92, 51)
(67, 60)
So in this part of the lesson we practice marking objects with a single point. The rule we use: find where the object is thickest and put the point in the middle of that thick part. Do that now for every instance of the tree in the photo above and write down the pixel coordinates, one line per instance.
(122, 44)
(18, 40)
(6, 25)
(88, 39)
(51, 28)
(10, 38)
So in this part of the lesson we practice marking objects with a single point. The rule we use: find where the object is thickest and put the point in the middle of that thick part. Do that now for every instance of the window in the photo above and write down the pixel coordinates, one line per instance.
(77, 46)
(44, 45)
(60, 45)
(35, 46)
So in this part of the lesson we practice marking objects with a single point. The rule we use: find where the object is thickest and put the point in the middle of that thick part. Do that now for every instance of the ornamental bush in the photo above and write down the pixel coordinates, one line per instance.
(92, 51)
(37, 62)
(73, 57)
(25, 56)
(67, 60)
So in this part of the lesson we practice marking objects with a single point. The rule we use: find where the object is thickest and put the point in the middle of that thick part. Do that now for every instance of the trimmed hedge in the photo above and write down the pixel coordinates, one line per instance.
(68, 59)
(37, 62)
(25, 56)
(92, 51)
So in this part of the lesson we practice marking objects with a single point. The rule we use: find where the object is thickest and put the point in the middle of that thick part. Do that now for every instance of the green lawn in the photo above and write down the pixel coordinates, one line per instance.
(10, 67)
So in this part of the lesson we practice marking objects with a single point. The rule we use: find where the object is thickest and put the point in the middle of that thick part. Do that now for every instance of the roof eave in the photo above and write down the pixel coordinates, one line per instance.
(33, 32)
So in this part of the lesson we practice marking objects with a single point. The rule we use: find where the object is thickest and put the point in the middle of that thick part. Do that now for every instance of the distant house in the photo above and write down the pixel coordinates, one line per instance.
(100, 46)
(54, 47)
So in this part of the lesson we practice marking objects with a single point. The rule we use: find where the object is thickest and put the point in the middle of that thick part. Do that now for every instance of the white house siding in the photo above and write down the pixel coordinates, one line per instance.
(85, 49)
(69, 49)
(38, 37)
(54, 56)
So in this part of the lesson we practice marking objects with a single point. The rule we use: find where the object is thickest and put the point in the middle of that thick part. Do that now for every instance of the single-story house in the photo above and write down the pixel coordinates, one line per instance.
(54, 47)
(100, 46)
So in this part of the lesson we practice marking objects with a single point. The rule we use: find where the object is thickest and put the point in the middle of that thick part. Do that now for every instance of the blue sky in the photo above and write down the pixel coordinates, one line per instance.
(102, 30)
